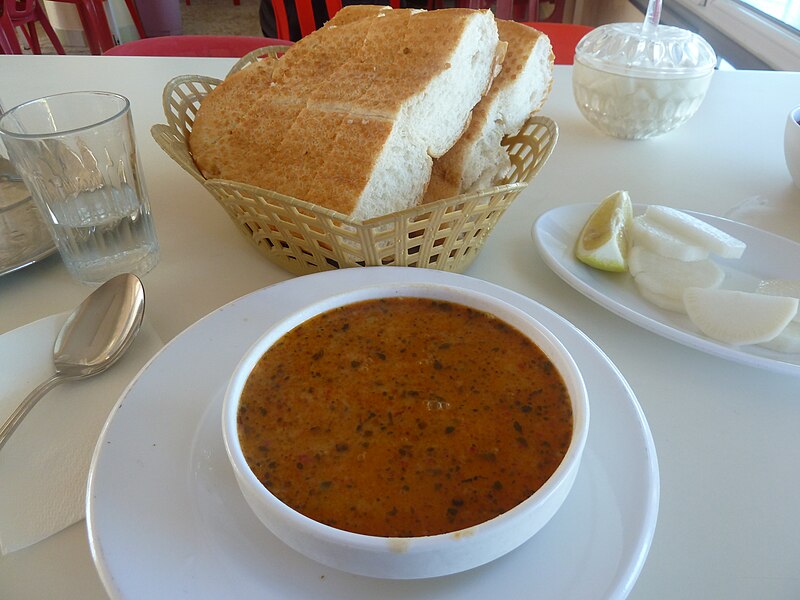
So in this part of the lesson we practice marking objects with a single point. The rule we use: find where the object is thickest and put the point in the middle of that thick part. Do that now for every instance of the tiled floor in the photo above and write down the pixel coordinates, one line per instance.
(206, 17)
(221, 17)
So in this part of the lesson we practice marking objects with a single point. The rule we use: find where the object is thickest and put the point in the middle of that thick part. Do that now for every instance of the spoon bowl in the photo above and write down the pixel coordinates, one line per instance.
(97, 333)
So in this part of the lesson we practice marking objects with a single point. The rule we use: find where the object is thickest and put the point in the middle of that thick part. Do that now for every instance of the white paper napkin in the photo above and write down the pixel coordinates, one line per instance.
(45, 464)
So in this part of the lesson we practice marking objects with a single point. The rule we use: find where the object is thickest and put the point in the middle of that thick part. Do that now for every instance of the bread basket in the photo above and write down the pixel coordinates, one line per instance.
(305, 238)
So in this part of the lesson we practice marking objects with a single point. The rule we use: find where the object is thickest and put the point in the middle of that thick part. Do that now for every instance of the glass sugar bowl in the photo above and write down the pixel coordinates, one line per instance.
(635, 81)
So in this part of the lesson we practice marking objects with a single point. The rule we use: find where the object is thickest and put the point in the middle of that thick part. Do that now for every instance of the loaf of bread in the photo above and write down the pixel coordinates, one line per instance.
(228, 105)
(478, 160)
(352, 116)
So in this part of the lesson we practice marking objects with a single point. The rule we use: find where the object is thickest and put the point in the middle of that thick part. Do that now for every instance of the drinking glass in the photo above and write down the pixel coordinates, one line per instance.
(77, 154)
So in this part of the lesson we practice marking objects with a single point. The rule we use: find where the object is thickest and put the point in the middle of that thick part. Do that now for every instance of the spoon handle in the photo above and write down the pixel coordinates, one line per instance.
(25, 407)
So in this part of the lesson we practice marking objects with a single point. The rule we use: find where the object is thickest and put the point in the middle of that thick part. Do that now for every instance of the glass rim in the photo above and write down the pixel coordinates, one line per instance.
(53, 134)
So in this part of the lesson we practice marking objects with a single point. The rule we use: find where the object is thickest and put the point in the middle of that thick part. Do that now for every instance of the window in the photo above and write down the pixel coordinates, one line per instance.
(748, 34)
(784, 11)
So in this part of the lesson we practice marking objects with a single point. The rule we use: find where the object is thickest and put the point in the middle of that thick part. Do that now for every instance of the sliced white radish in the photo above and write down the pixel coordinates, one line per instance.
(788, 340)
(661, 301)
(660, 240)
(738, 317)
(781, 287)
(696, 231)
(668, 276)
(661, 286)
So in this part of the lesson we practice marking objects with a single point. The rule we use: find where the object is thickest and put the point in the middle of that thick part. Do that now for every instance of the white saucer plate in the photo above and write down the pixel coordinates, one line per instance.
(25, 261)
(767, 256)
(166, 518)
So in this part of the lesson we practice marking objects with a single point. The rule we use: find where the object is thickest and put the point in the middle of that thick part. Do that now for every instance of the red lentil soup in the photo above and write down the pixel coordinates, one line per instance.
(404, 417)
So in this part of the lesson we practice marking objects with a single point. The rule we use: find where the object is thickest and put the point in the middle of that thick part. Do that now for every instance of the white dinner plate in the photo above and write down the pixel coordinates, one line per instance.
(767, 256)
(166, 518)
(20, 262)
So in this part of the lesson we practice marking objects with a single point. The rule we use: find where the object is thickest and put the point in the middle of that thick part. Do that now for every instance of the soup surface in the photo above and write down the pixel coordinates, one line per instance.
(404, 417)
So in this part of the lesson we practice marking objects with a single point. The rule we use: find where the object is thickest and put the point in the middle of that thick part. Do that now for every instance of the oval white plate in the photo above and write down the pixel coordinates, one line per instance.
(166, 518)
(767, 256)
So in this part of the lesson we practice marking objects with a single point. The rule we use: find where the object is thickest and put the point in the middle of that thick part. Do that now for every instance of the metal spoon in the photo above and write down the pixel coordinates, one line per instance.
(92, 339)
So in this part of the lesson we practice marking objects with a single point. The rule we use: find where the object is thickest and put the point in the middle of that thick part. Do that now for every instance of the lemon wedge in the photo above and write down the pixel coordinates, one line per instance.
(603, 241)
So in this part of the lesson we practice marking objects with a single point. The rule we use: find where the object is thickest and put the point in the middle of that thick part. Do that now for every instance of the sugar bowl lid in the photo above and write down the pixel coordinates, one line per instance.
(644, 50)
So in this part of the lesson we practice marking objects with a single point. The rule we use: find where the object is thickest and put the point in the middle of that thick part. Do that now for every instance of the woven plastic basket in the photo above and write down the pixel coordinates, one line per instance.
(305, 238)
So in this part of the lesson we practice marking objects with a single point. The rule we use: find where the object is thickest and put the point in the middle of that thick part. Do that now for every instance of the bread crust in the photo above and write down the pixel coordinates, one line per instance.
(225, 107)
(518, 92)
(345, 109)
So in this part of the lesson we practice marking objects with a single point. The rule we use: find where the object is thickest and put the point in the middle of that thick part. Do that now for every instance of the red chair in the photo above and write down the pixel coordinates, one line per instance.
(25, 14)
(137, 22)
(194, 45)
(305, 15)
(8, 36)
(564, 37)
(95, 25)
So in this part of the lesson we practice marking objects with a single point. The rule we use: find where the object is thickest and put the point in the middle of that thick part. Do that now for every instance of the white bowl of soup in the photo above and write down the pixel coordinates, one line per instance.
(406, 431)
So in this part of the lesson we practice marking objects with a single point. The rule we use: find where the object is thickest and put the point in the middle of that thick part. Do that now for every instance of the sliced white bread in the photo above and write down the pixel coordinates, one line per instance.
(478, 160)
(355, 111)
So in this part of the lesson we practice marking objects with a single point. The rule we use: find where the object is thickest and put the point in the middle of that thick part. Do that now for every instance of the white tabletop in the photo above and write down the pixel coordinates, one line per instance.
(725, 434)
